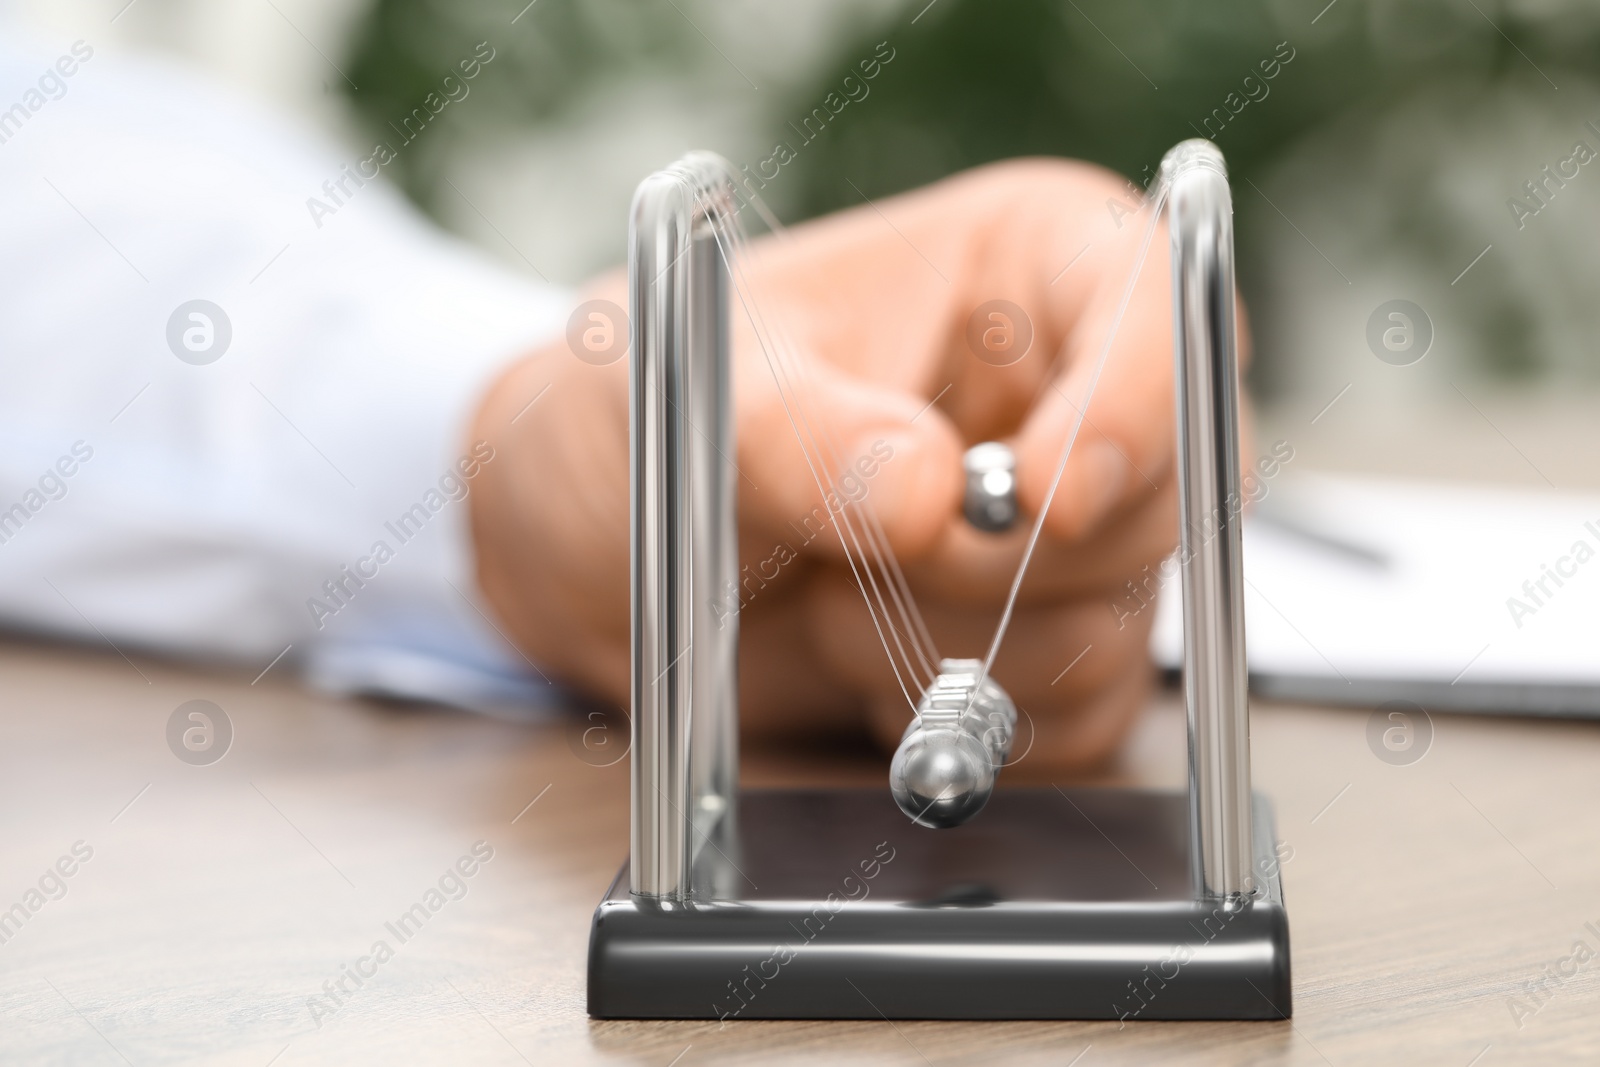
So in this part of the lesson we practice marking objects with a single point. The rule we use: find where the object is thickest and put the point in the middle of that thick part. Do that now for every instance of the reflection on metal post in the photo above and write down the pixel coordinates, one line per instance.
(1214, 678)
(684, 547)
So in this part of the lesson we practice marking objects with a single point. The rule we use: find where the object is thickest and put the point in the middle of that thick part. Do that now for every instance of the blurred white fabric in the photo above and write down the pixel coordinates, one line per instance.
(208, 505)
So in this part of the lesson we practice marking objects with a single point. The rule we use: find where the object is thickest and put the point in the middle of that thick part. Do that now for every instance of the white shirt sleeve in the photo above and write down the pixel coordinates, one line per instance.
(301, 488)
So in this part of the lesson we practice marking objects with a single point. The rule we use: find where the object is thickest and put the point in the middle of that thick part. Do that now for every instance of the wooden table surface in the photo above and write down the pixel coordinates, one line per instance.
(217, 900)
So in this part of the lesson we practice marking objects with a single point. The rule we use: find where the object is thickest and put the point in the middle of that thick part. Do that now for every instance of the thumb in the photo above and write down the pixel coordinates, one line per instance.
(871, 448)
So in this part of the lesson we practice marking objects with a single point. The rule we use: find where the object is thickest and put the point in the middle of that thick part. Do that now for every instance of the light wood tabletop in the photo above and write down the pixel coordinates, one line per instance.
(209, 908)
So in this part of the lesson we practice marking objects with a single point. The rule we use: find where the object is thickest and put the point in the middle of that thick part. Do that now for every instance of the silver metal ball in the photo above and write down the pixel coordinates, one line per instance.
(990, 502)
(941, 778)
(945, 768)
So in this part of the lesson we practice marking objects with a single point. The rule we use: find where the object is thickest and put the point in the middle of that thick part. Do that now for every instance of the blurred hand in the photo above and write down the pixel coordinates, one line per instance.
(880, 297)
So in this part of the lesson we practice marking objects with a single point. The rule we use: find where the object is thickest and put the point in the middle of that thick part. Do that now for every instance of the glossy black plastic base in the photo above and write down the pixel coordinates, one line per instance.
(1051, 904)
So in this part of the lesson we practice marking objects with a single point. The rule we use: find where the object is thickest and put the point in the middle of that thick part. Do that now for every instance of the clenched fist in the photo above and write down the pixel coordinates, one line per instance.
(889, 304)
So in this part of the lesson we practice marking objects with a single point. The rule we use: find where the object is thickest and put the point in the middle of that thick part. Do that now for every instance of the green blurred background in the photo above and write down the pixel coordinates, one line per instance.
(1377, 162)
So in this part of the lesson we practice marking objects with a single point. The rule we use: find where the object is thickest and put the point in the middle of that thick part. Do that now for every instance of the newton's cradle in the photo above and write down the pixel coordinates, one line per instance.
(831, 903)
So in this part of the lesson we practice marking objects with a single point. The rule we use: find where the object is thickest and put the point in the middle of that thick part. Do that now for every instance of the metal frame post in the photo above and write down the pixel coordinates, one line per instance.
(1215, 683)
(684, 540)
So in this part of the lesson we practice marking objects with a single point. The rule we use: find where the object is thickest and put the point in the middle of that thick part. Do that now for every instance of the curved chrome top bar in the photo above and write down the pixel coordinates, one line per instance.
(1211, 506)
(684, 547)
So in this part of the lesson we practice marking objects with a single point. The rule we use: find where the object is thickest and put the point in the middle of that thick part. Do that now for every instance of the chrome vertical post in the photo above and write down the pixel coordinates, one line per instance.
(684, 564)
(1214, 669)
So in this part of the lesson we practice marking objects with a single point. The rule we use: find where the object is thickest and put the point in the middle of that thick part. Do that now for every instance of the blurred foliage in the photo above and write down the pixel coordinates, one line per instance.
(1120, 83)
(972, 81)
(970, 85)
(554, 54)
(1112, 81)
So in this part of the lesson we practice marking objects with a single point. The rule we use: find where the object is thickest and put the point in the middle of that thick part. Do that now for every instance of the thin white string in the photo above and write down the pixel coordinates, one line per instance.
(775, 344)
(882, 552)
(858, 521)
(921, 638)
(1080, 411)
(849, 538)
(868, 548)
(871, 528)
(883, 555)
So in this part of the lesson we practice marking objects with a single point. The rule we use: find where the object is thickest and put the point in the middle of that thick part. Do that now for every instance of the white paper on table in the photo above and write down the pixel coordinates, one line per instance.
(1439, 623)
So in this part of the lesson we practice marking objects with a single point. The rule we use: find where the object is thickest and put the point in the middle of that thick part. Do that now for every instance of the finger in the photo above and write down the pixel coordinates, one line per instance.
(782, 695)
(1072, 716)
(1087, 737)
(1054, 655)
(819, 448)
(911, 275)
(1120, 417)
(876, 291)
(974, 568)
